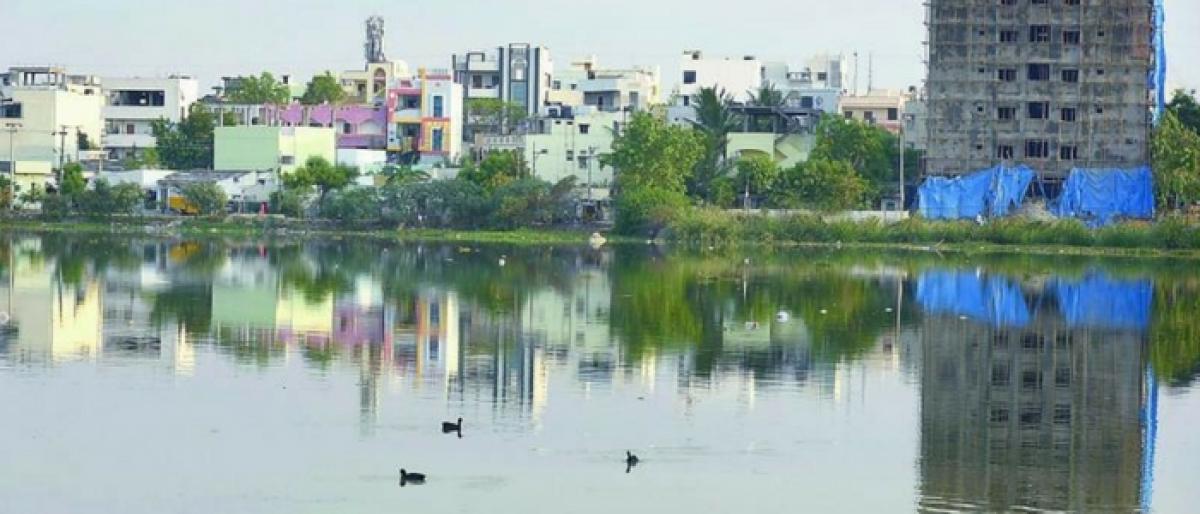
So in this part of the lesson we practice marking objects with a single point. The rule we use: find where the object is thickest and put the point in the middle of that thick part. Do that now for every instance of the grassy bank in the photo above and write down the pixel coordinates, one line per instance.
(713, 227)
(278, 228)
(1171, 236)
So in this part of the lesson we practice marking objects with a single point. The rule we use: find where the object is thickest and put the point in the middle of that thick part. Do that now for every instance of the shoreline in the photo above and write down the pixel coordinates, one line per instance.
(155, 227)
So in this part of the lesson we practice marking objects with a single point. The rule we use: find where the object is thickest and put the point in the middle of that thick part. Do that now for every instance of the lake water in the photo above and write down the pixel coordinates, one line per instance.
(241, 377)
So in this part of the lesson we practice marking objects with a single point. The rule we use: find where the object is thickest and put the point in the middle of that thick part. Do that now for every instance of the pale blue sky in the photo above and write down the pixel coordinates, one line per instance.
(226, 37)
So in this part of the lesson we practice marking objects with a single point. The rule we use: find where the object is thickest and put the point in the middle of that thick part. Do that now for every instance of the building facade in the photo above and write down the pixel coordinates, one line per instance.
(425, 118)
(881, 107)
(134, 104)
(46, 117)
(518, 74)
(818, 84)
(605, 89)
(1052, 85)
(260, 148)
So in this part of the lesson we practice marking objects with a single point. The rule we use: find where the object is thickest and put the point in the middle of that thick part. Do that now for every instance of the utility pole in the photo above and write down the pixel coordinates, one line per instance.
(62, 152)
(11, 128)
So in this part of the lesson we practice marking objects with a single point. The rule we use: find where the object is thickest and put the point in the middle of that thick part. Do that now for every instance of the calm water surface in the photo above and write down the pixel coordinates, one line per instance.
(184, 376)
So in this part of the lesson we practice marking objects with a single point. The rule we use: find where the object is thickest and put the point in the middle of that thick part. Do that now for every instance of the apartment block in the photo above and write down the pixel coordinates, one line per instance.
(134, 104)
(1053, 84)
(585, 82)
(425, 118)
(519, 73)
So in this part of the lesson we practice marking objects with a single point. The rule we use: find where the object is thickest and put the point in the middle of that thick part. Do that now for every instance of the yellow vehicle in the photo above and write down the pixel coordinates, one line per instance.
(183, 206)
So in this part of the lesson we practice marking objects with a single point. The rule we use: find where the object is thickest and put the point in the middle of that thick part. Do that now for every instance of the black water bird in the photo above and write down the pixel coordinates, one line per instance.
(448, 427)
(631, 460)
(411, 478)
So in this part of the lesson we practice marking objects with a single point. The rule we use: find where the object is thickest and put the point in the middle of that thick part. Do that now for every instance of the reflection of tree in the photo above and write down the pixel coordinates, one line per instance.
(688, 302)
(1175, 331)
(190, 305)
(77, 255)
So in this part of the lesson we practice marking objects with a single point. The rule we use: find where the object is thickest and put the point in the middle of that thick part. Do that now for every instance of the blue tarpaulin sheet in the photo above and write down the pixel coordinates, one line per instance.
(1158, 76)
(1099, 196)
(992, 192)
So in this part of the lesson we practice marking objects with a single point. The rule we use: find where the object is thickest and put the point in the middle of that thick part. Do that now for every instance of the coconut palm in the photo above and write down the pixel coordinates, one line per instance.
(766, 96)
(715, 120)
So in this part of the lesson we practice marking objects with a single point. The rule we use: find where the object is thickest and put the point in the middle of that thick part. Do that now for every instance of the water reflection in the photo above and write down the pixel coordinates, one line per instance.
(1037, 389)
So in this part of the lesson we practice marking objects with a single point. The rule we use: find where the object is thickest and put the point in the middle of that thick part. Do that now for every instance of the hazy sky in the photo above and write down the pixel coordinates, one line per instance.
(212, 38)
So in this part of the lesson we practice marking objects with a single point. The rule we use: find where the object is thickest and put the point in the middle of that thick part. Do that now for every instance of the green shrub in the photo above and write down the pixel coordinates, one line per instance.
(647, 210)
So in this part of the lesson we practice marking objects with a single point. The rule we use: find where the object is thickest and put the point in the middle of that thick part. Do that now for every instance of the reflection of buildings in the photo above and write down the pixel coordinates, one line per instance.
(50, 316)
(1043, 413)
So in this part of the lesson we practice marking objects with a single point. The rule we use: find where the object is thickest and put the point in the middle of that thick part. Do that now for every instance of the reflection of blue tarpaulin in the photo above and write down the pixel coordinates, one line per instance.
(1100, 301)
(1158, 76)
(996, 300)
(1099, 196)
(994, 192)
(1096, 301)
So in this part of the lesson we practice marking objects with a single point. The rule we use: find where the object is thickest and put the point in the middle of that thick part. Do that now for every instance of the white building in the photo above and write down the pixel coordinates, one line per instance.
(737, 76)
(817, 84)
(606, 89)
(46, 116)
(565, 145)
(134, 104)
(881, 107)
(519, 73)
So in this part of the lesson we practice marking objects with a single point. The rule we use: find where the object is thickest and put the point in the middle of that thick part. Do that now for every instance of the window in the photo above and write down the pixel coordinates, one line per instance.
(1037, 149)
(869, 116)
(1031, 415)
(806, 102)
(12, 110)
(893, 114)
(848, 114)
(1006, 74)
(1068, 114)
(1062, 414)
(1068, 152)
(1006, 113)
(570, 155)
(1038, 110)
(1039, 2)
(1036, 71)
(1070, 75)
(1009, 36)
(1039, 34)
(689, 77)
(437, 140)
(1070, 37)
(1100, 71)
(287, 160)
(1062, 377)
(477, 81)
(1031, 379)
(1070, 2)
(584, 128)
(1004, 152)
(557, 85)
(438, 106)
(998, 415)
(129, 129)
(1000, 375)
(687, 100)
(347, 128)
(1008, 2)
(822, 76)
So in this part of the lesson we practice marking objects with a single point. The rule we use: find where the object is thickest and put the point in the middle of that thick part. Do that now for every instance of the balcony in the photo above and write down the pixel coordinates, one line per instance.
(362, 141)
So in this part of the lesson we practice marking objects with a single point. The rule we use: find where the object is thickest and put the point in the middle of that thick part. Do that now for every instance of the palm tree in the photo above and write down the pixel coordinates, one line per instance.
(715, 120)
(401, 175)
(766, 96)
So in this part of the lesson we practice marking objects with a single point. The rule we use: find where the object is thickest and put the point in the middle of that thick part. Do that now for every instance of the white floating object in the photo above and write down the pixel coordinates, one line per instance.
(823, 311)
(502, 261)
(889, 309)
(783, 316)
(746, 260)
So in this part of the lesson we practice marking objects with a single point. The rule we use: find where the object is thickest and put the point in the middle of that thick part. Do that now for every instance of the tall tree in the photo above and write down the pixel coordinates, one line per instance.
(320, 173)
(263, 89)
(868, 149)
(1183, 104)
(714, 120)
(322, 89)
(494, 116)
(496, 169)
(188, 144)
(766, 96)
(1175, 155)
(72, 180)
(651, 153)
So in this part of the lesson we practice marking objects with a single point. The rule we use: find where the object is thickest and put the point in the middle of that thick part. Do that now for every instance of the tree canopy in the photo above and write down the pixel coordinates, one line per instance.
(1175, 155)
(263, 89)
(322, 89)
(494, 116)
(1183, 104)
(652, 153)
(495, 169)
(320, 173)
(188, 144)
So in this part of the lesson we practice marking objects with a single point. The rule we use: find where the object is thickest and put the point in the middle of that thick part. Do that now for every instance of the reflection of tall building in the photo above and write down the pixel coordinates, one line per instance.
(1045, 417)
(51, 315)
